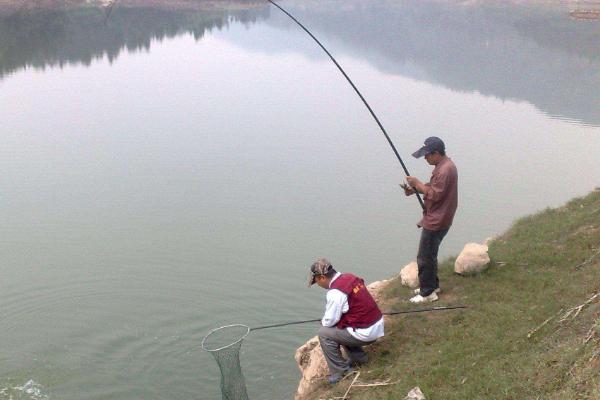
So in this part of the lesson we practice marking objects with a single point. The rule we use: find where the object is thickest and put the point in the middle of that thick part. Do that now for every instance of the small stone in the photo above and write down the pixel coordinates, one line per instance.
(415, 394)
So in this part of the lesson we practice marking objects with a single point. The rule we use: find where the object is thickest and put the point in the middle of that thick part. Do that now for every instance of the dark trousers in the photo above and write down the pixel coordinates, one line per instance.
(427, 260)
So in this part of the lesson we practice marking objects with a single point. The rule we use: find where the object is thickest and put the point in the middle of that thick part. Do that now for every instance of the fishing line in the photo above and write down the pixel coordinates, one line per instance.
(389, 140)
(387, 313)
(357, 92)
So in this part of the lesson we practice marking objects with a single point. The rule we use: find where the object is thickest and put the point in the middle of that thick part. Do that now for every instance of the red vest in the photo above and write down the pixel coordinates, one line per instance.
(363, 311)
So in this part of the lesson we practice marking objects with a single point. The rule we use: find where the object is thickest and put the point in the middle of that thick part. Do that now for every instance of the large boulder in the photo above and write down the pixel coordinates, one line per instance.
(409, 275)
(472, 259)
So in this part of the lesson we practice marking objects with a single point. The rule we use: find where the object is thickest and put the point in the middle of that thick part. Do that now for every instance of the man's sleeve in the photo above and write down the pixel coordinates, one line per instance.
(334, 308)
(437, 188)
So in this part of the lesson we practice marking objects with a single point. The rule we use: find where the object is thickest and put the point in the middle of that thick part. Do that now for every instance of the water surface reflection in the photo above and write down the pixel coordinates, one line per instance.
(176, 171)
(531, 53)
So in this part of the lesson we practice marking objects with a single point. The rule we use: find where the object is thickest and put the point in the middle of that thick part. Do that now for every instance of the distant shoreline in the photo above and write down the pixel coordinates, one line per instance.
(587, 9)
(9, 7)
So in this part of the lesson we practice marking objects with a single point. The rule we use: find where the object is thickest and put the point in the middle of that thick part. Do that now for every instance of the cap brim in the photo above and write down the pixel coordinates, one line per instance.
(421, 152)
(311, 280)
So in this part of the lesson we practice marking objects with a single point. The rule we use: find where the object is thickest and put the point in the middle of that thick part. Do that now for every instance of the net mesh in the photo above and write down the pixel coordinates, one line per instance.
(224, 344)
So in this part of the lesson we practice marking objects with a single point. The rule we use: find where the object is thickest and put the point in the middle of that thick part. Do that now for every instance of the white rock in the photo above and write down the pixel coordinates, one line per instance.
(375, 288)
(415, 394)
(472, 259)
(313, 367)
(409, 275)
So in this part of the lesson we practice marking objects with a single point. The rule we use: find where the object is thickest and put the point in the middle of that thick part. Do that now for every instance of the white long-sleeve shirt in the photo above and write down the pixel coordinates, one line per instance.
(337, 304)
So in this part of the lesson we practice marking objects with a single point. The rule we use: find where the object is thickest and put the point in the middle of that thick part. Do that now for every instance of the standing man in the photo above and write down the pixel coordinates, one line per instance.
(352, 318)
(441, 200)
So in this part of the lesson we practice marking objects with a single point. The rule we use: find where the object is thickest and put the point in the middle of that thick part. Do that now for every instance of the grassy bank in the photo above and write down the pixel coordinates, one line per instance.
(541, 268)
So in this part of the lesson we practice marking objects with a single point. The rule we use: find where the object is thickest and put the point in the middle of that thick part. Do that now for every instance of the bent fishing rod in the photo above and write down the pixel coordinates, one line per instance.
(389, 140)
(357, 92)
(258, 328)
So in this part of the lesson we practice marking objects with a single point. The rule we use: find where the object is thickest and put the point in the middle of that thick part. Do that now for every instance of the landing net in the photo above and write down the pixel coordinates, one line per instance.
(224, 344)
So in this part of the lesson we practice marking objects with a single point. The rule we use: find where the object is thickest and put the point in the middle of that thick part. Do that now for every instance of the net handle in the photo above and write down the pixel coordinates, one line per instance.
(229, 345)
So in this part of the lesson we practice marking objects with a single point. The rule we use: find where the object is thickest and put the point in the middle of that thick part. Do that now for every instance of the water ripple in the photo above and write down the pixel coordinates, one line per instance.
(31, 390)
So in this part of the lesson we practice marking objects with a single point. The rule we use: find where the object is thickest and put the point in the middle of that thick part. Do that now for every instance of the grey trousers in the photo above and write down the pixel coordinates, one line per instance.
(331, 339)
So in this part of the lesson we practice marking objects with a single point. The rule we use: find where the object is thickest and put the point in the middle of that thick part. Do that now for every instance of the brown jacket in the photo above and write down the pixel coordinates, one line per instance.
(441, 197)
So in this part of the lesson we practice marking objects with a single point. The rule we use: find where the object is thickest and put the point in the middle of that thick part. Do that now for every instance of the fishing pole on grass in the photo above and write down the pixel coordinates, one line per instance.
(386, 313)
(357, 92)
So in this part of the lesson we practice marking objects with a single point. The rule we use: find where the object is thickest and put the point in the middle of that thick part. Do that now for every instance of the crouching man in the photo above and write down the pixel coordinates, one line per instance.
(352, 318)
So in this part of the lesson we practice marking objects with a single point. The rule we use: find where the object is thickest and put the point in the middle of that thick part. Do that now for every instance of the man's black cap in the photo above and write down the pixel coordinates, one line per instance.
(431, 145)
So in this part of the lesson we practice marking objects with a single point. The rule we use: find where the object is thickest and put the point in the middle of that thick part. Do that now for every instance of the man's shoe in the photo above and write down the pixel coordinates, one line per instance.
(335, 378)
(418, 299)
(418, 291)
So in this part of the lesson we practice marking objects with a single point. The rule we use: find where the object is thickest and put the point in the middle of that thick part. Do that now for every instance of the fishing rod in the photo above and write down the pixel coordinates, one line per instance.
(387, 313)
(389, 140)
(357, 92)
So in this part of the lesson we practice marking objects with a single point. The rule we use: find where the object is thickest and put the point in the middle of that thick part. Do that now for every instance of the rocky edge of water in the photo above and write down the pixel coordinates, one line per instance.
(473, 258)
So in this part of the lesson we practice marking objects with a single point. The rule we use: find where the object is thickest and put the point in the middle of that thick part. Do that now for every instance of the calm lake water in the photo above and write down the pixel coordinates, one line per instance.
(172, 172)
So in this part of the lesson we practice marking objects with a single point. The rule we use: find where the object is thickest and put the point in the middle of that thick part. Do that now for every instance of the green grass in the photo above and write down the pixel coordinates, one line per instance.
(484, 352)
